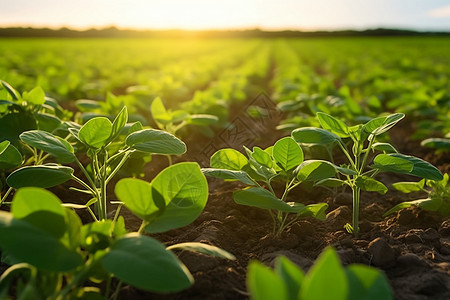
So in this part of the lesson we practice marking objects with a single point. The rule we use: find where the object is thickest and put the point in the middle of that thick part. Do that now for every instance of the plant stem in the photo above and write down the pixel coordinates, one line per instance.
(143, 225)
(348, 155)
(2, 199)
(169, 158)
(367, 153)
(91, 190)
(356, 193)
(119, 165)
(116, 292)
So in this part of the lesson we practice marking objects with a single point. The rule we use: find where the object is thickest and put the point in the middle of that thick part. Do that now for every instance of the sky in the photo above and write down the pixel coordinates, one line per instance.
(228, 14)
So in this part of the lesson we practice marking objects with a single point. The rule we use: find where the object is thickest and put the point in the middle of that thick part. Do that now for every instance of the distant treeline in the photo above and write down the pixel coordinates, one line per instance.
(113, 32)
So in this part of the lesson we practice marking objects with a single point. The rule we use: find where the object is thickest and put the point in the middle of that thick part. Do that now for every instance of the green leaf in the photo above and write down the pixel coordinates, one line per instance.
(54, 145)
(408, 187)
(420, 167)
(156, 142)
(291, 275)
(228, 175)
(228, 159)
(43, 176)
(312, 135)
(313, 210)
(47, 122)
(262, 157)
(33, 245)
(432, 204)
(346, 171)
(13, 124)
(136, 126)
(184, 190)
(389, 163)
(36, 96)
(326, 279)
(96, 132)
(30, 203)
(437, 143)
(204, 249)
(366, 183)
(313, 170)
(85, 105)
(330, 182)
(332, 124)
(264, 284)
(11, 91)
(159, 113)
(261, 198)
(287, 153)
(384, 147)
(380, 125)
(119, 122)
(202, 120)
(10, 157)
(143, 262)
(367, 283)
(137, 196)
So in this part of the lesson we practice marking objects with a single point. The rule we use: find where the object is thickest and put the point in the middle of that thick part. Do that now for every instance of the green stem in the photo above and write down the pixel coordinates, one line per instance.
(2, 199)
(169, 158)
(348, 155)
(108, 287)
(91, 190)
(75, 281)
(92, 213)
(102, 177)
(367, 153)
(85, 172)
(117, 291)
(356, 194)
(143, 225)
(121, 163)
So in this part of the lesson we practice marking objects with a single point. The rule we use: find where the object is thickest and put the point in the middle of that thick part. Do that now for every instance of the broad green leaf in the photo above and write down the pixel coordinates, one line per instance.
(330, 182)
(159, 113)
(119, 122)
(287, 153)
(326, 279)
(137, 196)
(366, 183)
(228, 159)
(179, 116)
(264, 284)
(136, 126)
(367, 283)
(384, 147)
(346, 171)
(332, 124)
(54, 145)
(262, 157)
(96, 235)
(47, 122)
(437, 143)
(432, 204)
(33, 245)
(312, 135)
(408, 187)
(291, 275)
(10, 157)
(184, 190)
(156, 142)
(313, 170)
(380, 125)
(96, 132)
(420, 167)
(313, 210)
(43, 176)
(30, 200)
(389, 163)
(261, 198)
(228, 175)
(13, 124)
(36, 96)
(143, 262)
(11, 91)
(204, 249)
(73, 231)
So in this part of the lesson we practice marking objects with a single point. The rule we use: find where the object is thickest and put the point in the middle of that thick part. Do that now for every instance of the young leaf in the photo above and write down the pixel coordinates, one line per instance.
(35, 246)
(287, 153)
(184, 190)
(437, 143)
(204, 249)
(291, 275)
(262, 157)
(54, 145)
(313, 135)
(119, 122)
(10, 157)
(143, 262)
(36, 96)
(261, 198)
(367, 283)
(384, 147)
(228, 159)
(43, 176)
(159, 113)
(11, 91)
(326, 272)
(380, 125)
(332, 124)
(96, 132)
(228, 175)
(314, 210)
(85, 105)
(397, 162)
(408, 187)
(366, 183)
(202, 120)
(432, 204)
(264, 284)
(313, 170)
(156, 142)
